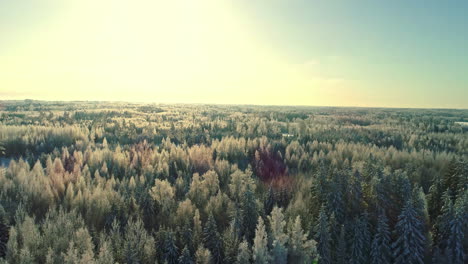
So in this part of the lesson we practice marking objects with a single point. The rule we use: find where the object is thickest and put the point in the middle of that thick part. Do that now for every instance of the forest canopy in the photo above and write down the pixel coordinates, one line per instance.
(107, 182)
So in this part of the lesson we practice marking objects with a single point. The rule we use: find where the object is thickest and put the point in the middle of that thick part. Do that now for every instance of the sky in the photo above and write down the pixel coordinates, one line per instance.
(370, 53)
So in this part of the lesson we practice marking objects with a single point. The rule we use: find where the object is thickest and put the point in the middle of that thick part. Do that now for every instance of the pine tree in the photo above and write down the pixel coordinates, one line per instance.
(410, 244)
(212, 239)
(380, 249)
(323, 238)
(260, 245)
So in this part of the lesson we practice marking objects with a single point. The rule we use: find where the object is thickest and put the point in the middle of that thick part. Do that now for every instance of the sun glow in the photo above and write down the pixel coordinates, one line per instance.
(175, 51)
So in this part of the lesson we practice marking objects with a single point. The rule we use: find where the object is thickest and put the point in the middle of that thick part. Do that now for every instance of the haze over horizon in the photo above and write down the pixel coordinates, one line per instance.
(318, 53)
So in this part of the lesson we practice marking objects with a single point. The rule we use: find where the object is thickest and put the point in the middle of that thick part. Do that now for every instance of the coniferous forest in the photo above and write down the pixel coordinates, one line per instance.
(101, 182)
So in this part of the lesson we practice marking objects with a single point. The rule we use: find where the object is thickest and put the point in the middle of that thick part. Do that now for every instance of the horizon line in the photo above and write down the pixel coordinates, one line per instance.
(233, 104)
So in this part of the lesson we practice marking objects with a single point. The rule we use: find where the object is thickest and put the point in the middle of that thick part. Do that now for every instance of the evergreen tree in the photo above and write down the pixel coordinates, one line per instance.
(442, 225)
(170, 250)
(260, 245)
(231, 243)
(360, 243)
(278, 236)
(212, 239)
(138, 244)
(186, 238)
(381, 248)
(335, 202)
(197, 229)
(301, 249)
(4, 232)
(320, 185)
(410, 243)
(355, 196)
(451, 179)
(434, 198)
(455, 246)
(203, 256)
(269, 201)
(322, 236)
(105, 254)
(341, 247)
(185, 257)
(249, 215)
(244, 253)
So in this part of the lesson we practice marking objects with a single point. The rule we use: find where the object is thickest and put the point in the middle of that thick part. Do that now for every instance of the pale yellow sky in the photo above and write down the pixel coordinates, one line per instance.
(163, 51)
(234, 52)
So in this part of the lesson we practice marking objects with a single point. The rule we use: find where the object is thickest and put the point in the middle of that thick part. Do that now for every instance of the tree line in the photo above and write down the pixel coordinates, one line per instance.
(100, 183)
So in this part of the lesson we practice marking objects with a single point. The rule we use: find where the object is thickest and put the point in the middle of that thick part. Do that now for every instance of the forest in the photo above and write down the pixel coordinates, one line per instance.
(116, 182)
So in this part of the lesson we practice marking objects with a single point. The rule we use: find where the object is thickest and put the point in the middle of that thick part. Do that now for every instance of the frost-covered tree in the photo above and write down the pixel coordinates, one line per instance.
(301, 249)
(410, 244)
(279, 249)
(203, 256)
(260, 244)
(244, 253)
(212, 239)
(249, 214)
(138, 244)
(458, 227)
(381, 246)
(185, 257)
(341, 247)
(322, 235)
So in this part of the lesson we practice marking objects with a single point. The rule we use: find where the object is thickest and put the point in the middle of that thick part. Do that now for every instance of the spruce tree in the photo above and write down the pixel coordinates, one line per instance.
(360, 243)
(260, 245)
(323, 238)
(455, 246)
(381, 248)
(341, 247)
(278, 236)
(243, 255)
(355, 196)
(231, 243)
(185, 257)
(335, 202)
(170, 249)
(249, 215)
(410, 244)
(212, 239)
(4, 232)
(442, 225)
(302, 250)
(269, 201)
